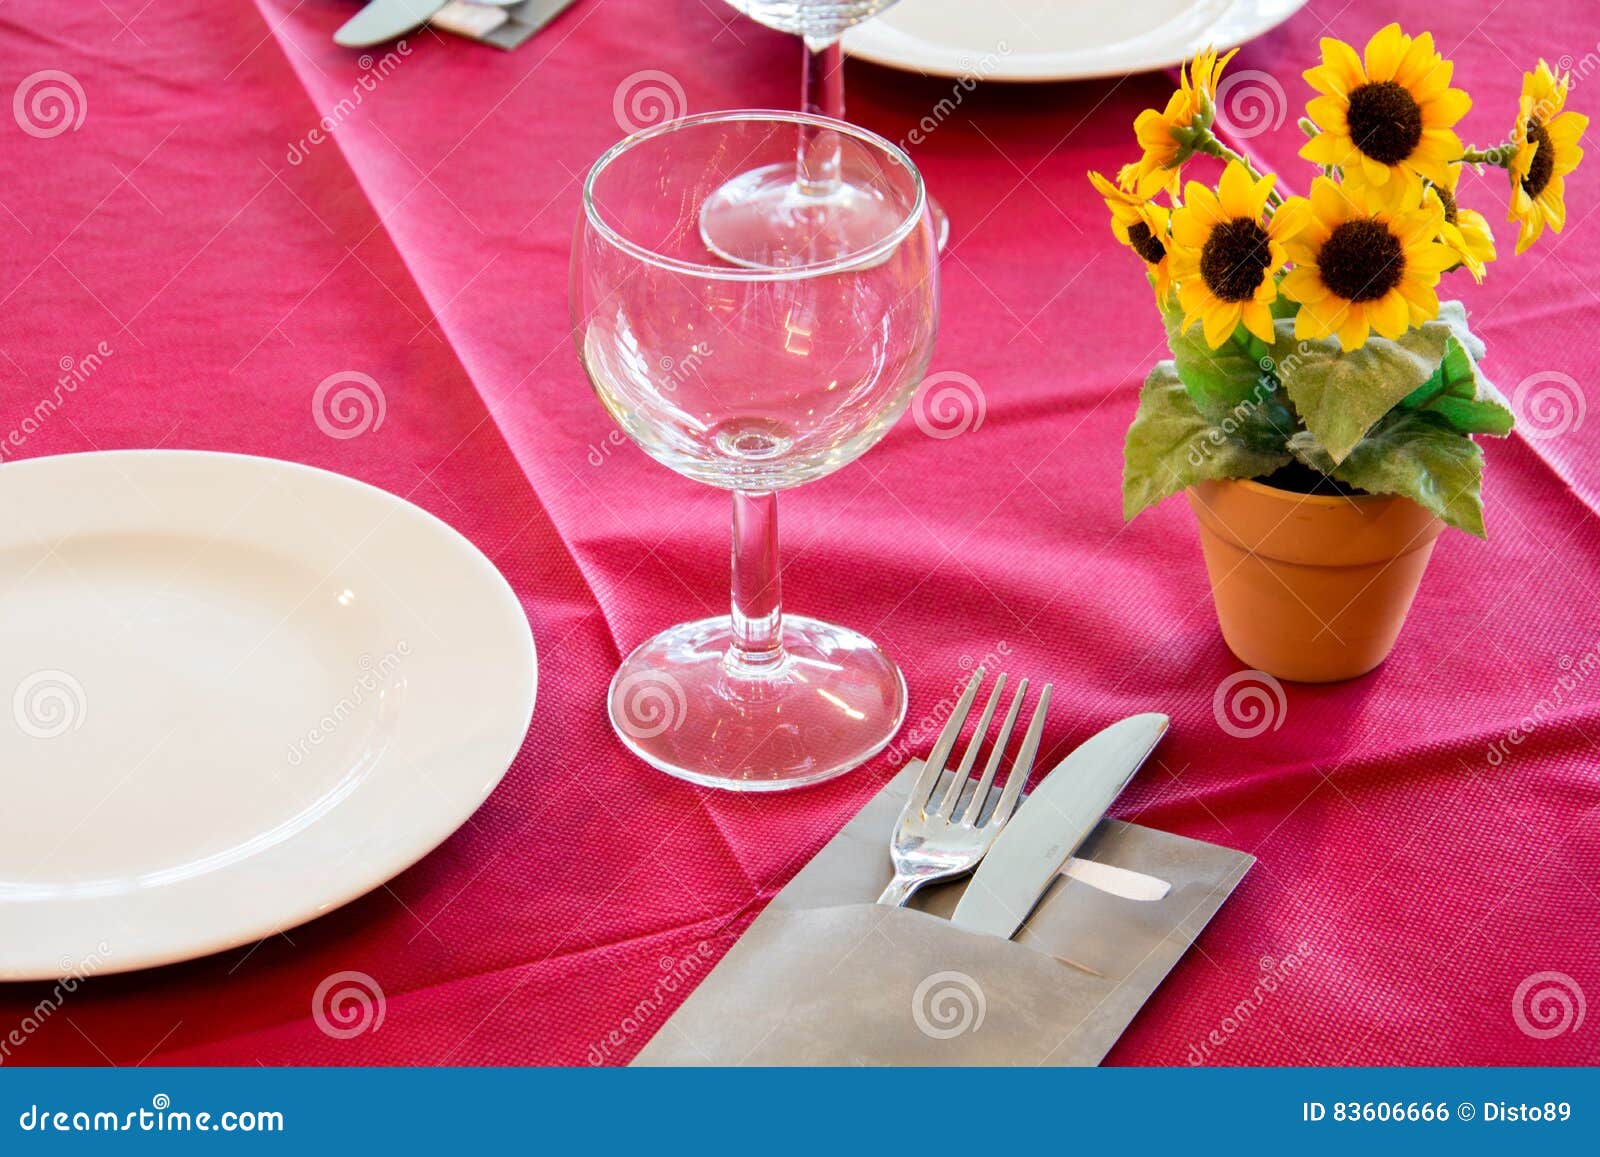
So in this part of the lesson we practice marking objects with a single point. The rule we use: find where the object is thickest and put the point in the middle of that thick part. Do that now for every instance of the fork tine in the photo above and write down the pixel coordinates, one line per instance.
(928, 780)
(981, 796)
(1024, 761)
(959, 780)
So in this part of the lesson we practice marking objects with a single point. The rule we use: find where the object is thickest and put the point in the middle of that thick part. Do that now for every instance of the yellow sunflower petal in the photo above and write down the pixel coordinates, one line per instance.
(1303, 285)
(1384, 52)
(1354, 328)
(1390, 316)
(1220, 321)
(1257, 318)
(1444, 110)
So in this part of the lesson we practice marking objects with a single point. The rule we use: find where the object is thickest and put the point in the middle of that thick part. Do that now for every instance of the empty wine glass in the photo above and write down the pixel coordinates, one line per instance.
(813, 195)
(753, 380)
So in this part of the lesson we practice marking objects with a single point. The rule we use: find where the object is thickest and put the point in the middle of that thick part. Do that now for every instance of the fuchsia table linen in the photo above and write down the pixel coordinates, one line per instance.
(1415, 868)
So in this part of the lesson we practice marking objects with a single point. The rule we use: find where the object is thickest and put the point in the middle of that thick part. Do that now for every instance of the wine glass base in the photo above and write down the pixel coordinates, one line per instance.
(833, 702)
(765, 219)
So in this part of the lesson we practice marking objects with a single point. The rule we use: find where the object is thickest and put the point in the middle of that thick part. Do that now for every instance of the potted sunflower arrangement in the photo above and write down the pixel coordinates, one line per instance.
(1320, 405)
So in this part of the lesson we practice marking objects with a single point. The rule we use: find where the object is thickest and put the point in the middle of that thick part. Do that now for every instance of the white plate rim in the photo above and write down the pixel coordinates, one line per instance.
(357, 882)
(1241, 21)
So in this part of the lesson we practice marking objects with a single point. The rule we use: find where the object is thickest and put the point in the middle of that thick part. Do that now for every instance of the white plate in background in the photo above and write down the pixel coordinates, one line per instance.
(235, 693)
(1048, 40)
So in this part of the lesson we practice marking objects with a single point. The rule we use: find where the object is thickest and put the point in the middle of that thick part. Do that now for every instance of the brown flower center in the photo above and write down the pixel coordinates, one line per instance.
(1235, 259)
(1145, 243)
(1543, 165)
(1385, 121)
(1361, 260)
(1448, 200)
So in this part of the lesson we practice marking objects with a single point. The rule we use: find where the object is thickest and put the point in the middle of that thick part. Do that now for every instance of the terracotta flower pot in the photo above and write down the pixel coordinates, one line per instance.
(1311, 588)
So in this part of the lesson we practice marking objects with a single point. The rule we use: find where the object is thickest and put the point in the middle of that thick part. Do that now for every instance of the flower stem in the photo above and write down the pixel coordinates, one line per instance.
(1211, 146)
(1499, 155)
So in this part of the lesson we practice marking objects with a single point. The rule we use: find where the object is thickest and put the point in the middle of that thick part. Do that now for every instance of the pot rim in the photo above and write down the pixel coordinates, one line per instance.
(1297, 496)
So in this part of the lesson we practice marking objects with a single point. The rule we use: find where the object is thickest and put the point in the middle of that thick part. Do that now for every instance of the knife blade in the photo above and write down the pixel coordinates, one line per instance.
(1058, 816)
(385, 20)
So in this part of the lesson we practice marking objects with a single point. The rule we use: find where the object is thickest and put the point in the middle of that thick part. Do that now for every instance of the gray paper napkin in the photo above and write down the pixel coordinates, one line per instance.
(827, 977)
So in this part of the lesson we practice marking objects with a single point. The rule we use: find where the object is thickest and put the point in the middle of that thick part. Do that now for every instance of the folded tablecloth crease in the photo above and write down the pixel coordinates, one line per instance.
(245, 209)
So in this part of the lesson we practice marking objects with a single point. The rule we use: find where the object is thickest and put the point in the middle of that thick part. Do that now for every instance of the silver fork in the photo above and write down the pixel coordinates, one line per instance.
(928, 843)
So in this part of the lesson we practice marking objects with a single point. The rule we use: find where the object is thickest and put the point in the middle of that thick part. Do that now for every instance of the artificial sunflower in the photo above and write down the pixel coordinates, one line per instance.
(1364, 261)
(1545, 144)
(1142, 226)
(1226, 257)
(1168, 136)
(1464, 231)
(1387, 120)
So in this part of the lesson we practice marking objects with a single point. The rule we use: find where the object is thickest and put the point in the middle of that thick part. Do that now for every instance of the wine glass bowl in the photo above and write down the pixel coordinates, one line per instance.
(753, 377)
(748, 378)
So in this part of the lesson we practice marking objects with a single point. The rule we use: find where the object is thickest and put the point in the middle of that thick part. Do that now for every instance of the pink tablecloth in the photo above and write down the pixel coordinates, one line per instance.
(231, 261)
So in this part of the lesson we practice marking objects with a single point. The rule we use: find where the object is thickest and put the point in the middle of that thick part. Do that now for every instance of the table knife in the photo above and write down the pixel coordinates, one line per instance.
(385, 20)
(1058, 815)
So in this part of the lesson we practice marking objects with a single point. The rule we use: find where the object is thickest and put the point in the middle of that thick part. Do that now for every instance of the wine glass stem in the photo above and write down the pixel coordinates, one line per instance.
(757, 604)
(822, 91)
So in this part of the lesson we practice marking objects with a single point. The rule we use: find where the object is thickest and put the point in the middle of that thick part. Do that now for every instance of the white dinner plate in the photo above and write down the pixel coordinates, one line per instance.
(1039, 40)
(235, 693)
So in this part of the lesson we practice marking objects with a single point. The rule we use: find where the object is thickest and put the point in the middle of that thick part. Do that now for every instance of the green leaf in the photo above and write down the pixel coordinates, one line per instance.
(1461, 395)
(1342, 395)
(1172, 445)
(1217, 379)
(1415, 454)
